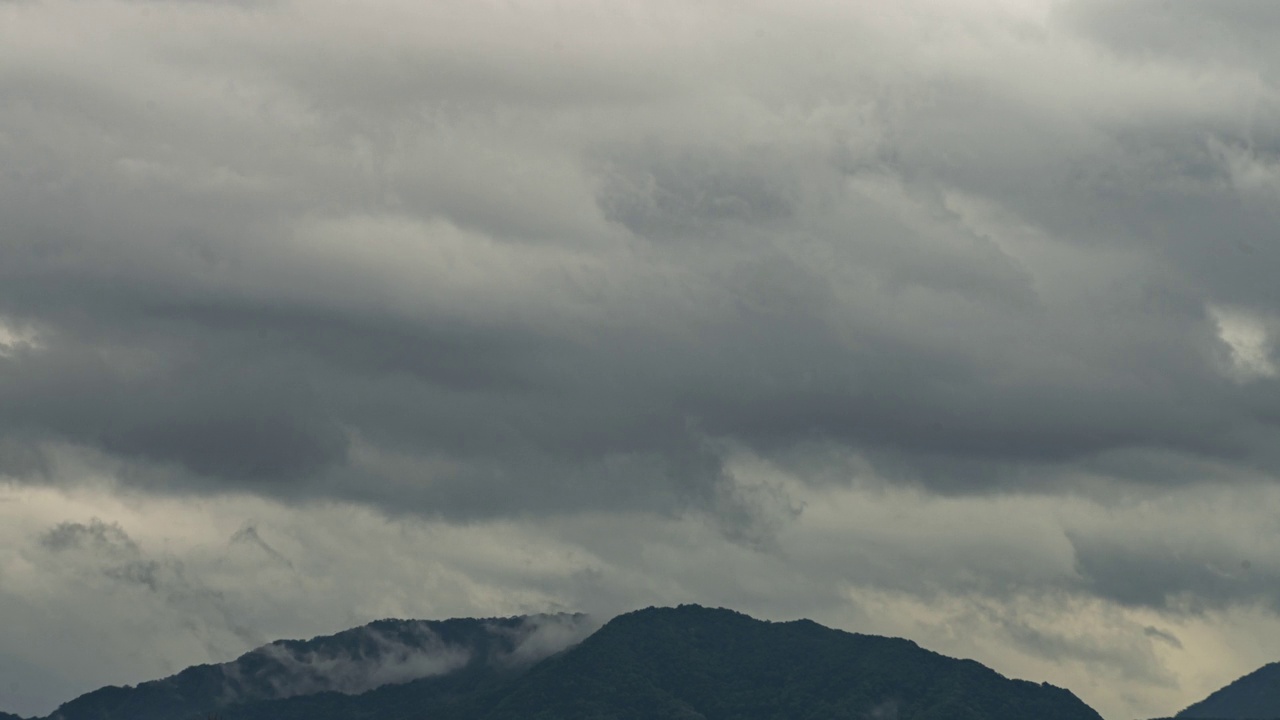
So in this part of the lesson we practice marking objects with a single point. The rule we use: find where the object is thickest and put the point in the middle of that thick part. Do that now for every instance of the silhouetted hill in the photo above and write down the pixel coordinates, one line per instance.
(693, 662)
(688, 662)
(1255, 696)
(7, 716)
(386, 652)
(697, 663)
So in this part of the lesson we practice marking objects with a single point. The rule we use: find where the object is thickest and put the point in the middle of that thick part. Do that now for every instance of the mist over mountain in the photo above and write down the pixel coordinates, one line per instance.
(1255, 696)
(686, 662)
(386, 652)
(694, 662)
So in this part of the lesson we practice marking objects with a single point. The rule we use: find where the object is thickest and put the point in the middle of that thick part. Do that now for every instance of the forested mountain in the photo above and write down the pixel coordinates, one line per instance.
(687, 662)
(692, 662)
(352, 662)
(1255, 696)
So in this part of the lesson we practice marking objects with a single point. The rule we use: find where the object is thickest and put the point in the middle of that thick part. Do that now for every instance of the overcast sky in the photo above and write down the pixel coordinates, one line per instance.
(947, 319)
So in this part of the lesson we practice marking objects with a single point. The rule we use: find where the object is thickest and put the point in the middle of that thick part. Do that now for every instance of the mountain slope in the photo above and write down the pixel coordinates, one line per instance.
(460, 695)
(1255, 696)
(692, 662)
(688, 663)
(387, 652)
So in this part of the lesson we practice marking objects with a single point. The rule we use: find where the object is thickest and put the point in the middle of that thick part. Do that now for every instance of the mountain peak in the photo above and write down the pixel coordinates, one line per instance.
(1255, 696)
(350, 662)
(689, 662)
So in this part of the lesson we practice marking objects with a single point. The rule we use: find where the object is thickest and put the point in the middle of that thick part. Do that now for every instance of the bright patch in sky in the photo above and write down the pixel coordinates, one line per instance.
(14, 338)
(1249, 342)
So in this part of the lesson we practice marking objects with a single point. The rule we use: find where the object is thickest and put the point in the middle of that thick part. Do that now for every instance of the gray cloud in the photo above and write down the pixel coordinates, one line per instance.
(390, 652)
(1007, 580)
(1162, 635)
(502, 264)
(818, 272)
(1171, 575)
(541, 636)
(379, 660)
(1231, 33)
(102, 555)
(248, 535)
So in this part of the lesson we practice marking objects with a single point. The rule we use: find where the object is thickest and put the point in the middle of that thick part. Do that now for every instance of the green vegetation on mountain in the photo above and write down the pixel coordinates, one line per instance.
(324, 672)
(686, 663)
(692, 662)
(1255, 696)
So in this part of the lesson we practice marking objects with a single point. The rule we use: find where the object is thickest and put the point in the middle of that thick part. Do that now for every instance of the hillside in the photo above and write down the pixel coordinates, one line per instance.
(383, 653)
(1255, 696)
(692, 662)
(687, 662)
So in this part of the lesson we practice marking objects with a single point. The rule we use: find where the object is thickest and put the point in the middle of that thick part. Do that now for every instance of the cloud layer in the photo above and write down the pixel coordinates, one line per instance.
(514, 265)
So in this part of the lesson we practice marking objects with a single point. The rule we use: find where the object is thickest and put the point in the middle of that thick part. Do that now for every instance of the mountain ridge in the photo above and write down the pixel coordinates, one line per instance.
(687, 663)
(784, 669)
(350, 662)
(1254, 696)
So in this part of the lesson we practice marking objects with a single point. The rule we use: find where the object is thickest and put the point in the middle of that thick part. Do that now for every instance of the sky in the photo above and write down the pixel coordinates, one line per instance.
(945, 319)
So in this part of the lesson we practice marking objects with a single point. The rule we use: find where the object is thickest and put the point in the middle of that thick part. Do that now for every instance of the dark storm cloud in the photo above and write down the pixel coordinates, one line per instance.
(1174, 576)
(768, 288)
(546, 272)
(237, 418)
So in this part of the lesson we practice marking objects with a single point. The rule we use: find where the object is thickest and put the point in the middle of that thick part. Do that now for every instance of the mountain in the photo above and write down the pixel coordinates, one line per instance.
(692, 662)
(696, 663)
(382, 653)
(7, 716)
(689, 663)
(1255, 696)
